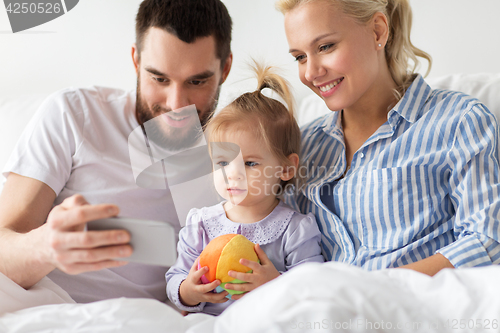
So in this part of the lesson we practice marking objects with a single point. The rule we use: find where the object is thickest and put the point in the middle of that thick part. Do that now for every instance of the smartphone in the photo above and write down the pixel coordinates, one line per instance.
(153, 242)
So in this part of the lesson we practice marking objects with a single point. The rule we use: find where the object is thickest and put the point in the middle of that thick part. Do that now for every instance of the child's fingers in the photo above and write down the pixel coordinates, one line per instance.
(194, 267)
(205, 288)
(222, 300)
(198, 273)
(239, 286)
(237, 297)
(253, 265)
(247, 277)
(216, 298)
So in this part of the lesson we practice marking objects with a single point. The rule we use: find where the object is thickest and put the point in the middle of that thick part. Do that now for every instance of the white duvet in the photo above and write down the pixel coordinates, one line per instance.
(329, 297)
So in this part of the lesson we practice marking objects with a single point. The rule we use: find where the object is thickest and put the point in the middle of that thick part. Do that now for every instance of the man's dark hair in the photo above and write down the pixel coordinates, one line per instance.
(187, 20)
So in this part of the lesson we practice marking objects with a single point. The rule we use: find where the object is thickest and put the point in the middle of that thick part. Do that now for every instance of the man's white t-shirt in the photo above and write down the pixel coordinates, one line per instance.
(77, 142)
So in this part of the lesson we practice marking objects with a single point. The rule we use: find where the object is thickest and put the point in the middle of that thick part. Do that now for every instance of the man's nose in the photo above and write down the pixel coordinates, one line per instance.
(177, 97)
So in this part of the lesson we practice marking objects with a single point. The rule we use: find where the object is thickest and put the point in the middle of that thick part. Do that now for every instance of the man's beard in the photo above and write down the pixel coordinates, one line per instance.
(177, 138)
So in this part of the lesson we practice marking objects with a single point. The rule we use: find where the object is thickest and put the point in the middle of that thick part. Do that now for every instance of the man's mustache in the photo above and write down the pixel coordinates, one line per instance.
(158, 110)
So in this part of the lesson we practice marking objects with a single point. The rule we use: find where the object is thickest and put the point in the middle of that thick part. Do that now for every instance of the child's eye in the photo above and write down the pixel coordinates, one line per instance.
(251, 164)
(222, 163)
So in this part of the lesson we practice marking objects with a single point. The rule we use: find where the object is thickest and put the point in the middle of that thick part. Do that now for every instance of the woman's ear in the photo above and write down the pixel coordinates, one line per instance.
(380, 30)
(290, 170)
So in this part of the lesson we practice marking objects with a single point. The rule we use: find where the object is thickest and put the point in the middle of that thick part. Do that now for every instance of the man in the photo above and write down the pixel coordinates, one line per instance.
(72, 166)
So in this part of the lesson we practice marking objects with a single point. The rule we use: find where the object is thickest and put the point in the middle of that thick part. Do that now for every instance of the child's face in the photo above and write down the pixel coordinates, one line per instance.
(253, 177)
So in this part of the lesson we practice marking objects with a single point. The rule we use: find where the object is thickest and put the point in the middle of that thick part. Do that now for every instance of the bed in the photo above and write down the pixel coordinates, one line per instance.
(312, 297)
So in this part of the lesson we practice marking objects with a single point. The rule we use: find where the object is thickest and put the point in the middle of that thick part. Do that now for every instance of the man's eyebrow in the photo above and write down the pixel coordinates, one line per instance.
(154, 71)
(315, 40)
(202, 76)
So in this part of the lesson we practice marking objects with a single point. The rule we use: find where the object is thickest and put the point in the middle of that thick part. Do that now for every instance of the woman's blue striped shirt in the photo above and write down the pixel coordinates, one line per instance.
(426, 182)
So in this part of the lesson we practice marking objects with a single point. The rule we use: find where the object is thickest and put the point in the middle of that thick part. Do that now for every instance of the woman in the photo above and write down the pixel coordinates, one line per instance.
(399, 175)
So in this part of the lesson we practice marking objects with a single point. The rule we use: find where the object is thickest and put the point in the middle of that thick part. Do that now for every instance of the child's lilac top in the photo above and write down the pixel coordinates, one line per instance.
(289, 238)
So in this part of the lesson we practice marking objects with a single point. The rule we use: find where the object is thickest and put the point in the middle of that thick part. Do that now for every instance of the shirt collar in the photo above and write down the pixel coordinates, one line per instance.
(331, 124)
(265, 231)
(411, 106)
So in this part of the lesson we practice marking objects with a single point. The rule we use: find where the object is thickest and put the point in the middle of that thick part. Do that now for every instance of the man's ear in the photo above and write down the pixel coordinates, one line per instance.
(135, 58)
(289, 171)
(380, 29)
(227, 68)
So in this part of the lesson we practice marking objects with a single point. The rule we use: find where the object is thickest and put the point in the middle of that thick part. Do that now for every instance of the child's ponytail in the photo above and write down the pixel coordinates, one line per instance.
(267, 78)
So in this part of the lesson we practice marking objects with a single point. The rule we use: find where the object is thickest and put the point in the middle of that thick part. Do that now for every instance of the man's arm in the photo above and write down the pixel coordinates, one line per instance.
(31, 248)
(431, 265)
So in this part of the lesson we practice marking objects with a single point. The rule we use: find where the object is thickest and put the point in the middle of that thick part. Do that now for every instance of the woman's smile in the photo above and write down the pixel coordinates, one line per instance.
(330, 87)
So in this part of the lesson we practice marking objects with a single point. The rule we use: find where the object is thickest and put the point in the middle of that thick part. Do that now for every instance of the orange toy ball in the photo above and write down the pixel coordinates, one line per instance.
(223, 254)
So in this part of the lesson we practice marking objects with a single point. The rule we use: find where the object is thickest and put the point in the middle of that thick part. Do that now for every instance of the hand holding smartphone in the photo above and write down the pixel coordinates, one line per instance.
(153, 242)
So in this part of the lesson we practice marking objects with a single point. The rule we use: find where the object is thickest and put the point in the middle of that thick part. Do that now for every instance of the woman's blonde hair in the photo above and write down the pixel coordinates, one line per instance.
(399, 49)
(267, 118)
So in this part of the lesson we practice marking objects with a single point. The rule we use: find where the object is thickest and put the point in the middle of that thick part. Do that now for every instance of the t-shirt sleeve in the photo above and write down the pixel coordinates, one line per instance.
(49, 141)
(302, 241)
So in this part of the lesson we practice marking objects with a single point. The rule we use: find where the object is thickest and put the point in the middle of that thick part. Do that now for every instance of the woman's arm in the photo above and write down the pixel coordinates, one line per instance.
(431, 265)
(302, 242)
(474, 185)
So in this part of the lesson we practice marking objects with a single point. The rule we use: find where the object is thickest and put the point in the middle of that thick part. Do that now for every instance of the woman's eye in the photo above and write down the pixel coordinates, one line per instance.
(251, 164)
(300, 58)
(222, 164)
(326, 47)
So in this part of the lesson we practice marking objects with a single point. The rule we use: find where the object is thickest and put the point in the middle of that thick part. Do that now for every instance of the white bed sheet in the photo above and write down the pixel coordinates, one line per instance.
(312, 297)
(13, 297)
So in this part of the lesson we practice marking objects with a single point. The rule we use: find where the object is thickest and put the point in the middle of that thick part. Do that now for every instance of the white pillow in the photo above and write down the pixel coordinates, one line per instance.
(484, 86)
(310, 108)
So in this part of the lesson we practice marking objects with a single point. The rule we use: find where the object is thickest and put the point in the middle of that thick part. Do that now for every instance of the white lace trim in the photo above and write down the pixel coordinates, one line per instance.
(262, 232)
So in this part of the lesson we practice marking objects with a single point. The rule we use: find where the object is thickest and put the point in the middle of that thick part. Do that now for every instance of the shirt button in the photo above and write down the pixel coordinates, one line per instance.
(362, 155)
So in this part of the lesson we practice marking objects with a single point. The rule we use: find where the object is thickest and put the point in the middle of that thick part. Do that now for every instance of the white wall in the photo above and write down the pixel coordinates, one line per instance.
(91, 44)
(462, 36)
(88, 45)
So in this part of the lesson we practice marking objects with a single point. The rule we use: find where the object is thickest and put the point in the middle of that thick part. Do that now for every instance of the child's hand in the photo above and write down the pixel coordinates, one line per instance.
(192, 291)
(262, 273)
